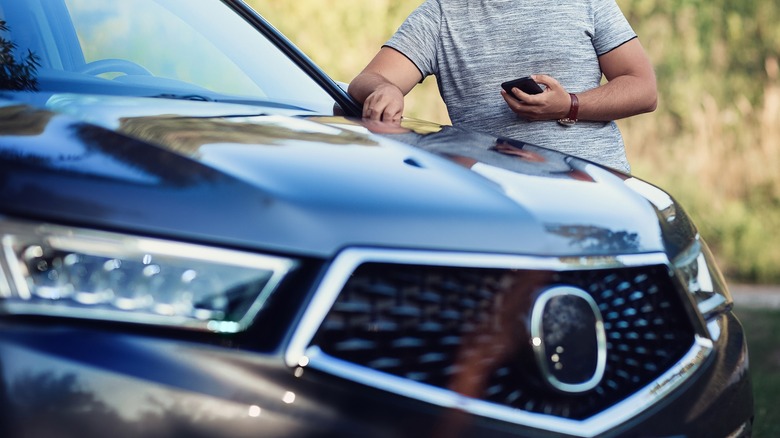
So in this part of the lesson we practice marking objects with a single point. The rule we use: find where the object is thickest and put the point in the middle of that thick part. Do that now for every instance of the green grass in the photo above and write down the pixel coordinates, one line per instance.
(762, 329)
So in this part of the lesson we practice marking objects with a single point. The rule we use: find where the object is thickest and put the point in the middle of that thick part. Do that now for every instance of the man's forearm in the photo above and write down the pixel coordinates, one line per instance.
(630, 88)
(622, 97)
(364, 84)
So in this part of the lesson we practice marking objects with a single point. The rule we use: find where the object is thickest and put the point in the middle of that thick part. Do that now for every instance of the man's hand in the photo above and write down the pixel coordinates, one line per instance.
(630, 90)
(382, 85)
(386, 103)
(551, 104)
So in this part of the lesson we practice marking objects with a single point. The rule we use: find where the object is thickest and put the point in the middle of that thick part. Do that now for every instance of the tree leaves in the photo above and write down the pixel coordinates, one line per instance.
(16, 74)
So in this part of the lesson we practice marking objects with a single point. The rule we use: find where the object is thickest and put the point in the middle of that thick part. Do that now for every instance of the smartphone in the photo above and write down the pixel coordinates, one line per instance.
(525, 83)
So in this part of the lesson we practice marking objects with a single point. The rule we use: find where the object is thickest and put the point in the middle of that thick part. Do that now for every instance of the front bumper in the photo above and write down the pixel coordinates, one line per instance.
(94, 380)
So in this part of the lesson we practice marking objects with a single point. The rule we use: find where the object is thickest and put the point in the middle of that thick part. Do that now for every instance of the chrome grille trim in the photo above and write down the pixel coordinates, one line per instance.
(299, 353)
(589, 427)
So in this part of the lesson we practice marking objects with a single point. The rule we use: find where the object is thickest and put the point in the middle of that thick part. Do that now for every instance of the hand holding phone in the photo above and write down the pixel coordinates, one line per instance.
(526, 84)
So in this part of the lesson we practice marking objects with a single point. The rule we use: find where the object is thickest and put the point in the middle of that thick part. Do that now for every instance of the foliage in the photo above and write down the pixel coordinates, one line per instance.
(714, 141)
(16, 74)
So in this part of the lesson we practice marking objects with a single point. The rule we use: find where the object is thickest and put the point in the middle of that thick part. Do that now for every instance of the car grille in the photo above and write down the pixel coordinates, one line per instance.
(464, 329)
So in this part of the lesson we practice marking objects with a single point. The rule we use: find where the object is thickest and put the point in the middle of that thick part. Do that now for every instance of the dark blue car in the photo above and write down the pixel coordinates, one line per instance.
(200, 237)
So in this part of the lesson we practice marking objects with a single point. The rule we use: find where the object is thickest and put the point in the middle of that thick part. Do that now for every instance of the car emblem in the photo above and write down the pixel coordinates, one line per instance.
(568, 339)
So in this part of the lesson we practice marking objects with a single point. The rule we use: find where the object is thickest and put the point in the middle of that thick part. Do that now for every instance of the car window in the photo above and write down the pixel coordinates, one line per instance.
(156, 47)
(145, 36)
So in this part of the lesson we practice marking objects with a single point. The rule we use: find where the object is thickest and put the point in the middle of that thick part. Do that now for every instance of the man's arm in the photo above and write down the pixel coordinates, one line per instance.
(630, 89)
(382, 85)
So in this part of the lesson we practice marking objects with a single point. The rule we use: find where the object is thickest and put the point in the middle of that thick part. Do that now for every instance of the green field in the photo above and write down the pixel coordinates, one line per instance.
(762, 329)
(714, 141)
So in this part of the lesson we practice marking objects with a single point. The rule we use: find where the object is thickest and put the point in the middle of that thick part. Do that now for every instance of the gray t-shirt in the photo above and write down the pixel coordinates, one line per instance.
(471, 46)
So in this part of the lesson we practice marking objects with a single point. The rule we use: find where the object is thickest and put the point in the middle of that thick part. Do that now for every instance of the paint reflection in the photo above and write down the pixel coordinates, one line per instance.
(597, 240)
(497, 346)
(19, 70)
(49, 405)
(187, 135)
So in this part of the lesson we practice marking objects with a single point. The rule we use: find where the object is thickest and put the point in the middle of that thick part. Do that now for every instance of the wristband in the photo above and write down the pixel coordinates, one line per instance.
(571, 118)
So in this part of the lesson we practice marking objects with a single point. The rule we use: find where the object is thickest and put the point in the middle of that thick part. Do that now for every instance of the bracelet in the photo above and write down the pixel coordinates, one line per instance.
(571, 118)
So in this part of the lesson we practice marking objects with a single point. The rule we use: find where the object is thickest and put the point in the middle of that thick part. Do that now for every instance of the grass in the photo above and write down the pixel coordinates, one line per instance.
(762, 329)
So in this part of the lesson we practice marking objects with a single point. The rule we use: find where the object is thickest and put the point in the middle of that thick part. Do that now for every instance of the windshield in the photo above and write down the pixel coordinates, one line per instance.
(199, 50)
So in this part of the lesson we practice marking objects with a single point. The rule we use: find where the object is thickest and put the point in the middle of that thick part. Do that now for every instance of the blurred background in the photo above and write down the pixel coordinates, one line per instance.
(713, 142)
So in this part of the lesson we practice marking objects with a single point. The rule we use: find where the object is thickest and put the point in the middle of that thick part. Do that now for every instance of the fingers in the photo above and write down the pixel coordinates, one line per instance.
(557, 100)
(535, 108)
(543, 106)
(382, 111)
(512, 100)
(526, 98)
(385, 104)
(520, 101)
(548, 81)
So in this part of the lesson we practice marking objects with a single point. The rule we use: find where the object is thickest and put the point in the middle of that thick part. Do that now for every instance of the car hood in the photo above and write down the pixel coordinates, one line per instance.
(277, 180)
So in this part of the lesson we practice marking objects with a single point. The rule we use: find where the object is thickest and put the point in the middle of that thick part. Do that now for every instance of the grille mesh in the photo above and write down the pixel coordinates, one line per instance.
(465, 329)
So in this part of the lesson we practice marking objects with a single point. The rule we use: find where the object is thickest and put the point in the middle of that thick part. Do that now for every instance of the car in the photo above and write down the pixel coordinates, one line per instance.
(201, 237)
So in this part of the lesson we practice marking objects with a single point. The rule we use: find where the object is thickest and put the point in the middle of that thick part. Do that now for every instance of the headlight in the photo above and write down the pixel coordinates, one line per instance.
(698, 272)
(70, 272)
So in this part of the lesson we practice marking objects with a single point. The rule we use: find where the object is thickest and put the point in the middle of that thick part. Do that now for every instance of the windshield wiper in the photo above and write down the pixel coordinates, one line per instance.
(227, 99)
(196, 97)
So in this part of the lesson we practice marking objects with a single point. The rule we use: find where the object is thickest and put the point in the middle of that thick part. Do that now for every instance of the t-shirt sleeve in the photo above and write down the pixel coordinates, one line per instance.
(418, 36)
(612, 29)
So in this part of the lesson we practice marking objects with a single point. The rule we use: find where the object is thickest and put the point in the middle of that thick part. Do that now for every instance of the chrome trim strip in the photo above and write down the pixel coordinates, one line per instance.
(349, 259)
(5, 286)
(537, 338)
(590, 427)
(741, 431)
(299, 353)
(713, 327)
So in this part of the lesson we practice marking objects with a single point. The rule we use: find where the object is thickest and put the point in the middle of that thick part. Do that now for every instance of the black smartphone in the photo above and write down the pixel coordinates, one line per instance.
(525, 84)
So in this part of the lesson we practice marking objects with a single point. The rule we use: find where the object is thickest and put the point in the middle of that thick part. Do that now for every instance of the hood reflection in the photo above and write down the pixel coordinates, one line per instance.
(66, 402)
(597, 239)
(187, 134)
(19, 70)
(469, 148)
(516, 166)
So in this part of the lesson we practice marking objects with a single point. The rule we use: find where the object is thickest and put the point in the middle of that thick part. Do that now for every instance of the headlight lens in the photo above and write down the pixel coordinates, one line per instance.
(72, 272)
(697, 270)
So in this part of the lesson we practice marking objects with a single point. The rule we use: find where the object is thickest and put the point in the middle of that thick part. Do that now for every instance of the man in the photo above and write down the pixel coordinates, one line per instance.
(472, 46)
